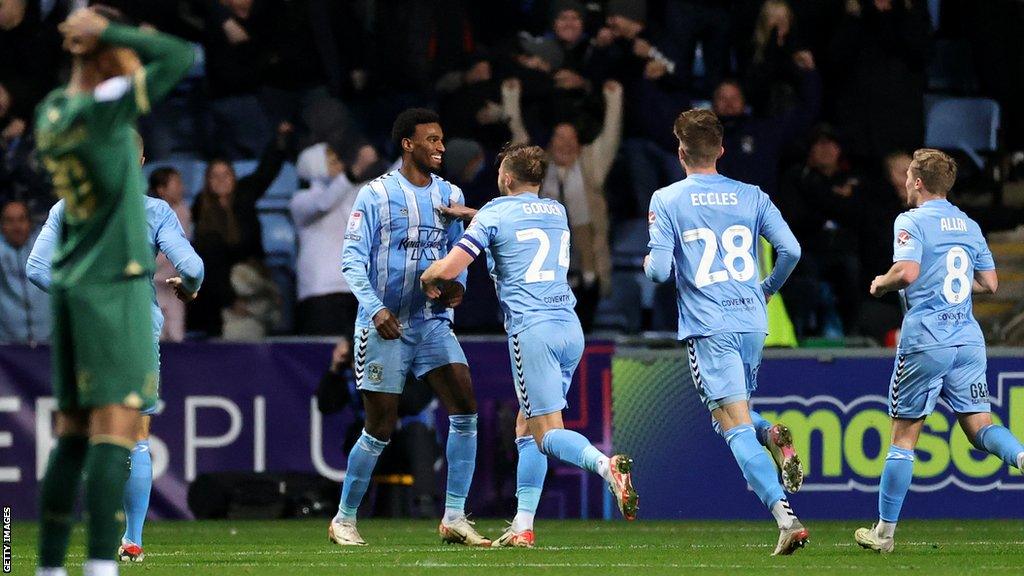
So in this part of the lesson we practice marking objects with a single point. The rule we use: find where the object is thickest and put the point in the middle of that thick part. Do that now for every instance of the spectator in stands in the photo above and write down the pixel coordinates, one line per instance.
(234, 39)
(315, 50)
(336, 172)
(886, 198)
(771, 77)
(879, 54)
(24, 309)
(467, 167)
(20, 175)
(576, 177)
(647, 62)
(166, 184)
(706, 22)
(256, 309)
(822, 202)
(227, 227)
(753, 145)
(31, 60)
(470, 103)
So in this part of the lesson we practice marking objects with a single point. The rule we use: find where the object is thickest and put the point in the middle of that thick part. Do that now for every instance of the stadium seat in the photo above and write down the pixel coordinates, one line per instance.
(951, 68)
(967, 124)
(286, 183)
(191, 171)
(630, 245)
(933, 12)
(278, 235)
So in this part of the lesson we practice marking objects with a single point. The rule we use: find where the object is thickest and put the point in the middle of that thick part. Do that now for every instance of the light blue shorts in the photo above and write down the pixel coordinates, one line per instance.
(723, 367)
(956, 374)
(382, 365)
(544, 358)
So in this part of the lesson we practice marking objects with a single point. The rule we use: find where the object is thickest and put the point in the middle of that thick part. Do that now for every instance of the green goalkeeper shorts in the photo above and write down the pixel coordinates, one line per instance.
(102, 345)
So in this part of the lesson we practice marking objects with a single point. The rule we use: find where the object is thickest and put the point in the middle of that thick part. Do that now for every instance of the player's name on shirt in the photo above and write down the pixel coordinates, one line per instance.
(952, 225)
(714, 199)
(542, 208)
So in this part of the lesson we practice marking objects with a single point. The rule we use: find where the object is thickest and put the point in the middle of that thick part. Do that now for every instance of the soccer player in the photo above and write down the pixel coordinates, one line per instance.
(527, 242)
(394, 232)
(166, 236)
(104, 366)
(708, 226)
(940, 259)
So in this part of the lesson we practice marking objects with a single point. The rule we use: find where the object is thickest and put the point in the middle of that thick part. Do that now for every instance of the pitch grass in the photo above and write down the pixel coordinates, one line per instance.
(566, 548)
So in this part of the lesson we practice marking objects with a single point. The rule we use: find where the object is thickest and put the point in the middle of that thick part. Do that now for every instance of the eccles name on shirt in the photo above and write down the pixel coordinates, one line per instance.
(714, 199)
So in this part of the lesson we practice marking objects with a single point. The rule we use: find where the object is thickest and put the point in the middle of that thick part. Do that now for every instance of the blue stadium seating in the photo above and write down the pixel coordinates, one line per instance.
(967, 124)
(278, 235)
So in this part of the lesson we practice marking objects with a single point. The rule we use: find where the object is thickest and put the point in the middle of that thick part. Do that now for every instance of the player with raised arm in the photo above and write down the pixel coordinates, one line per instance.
(940, 259)
(394, 232)
(104, 366)
(527, 242)
(708, 226)
(166, 236)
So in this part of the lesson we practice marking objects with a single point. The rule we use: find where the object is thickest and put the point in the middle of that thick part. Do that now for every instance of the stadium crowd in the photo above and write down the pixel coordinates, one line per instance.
(821, 101)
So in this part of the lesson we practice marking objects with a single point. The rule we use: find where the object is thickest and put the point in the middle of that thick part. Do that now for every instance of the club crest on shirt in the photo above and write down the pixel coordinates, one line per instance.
(375, 372)
(902, 238)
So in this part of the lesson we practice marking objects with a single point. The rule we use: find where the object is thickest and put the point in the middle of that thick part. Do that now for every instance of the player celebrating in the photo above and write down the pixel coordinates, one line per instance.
(708, 226)
(394, 232)
(104, 367)
(165, 236)
(527, 241)
(940, 258)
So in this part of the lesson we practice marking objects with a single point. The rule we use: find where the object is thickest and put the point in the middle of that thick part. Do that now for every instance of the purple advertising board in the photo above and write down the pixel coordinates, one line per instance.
(251, 407)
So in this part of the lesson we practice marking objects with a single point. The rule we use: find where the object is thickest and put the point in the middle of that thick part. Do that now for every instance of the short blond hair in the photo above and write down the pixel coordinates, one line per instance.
(935, 168)
(700, 134)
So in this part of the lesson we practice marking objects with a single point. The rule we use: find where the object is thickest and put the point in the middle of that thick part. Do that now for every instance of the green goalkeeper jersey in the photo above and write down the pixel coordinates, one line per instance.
(87, 141)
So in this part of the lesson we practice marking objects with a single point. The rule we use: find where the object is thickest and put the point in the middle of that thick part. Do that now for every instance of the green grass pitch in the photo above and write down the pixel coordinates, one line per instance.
(565, 548)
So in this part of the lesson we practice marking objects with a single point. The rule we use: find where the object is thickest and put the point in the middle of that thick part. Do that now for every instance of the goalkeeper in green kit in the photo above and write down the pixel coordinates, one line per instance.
(103, 360)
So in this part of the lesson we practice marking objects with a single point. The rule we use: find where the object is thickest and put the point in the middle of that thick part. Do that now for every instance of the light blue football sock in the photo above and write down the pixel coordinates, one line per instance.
(761, 427)
(1001, 442)
(573, 448)
(461, 454)
(361, 462)
(530, 472)
(136, 492)
(757, 466)
(896, 477)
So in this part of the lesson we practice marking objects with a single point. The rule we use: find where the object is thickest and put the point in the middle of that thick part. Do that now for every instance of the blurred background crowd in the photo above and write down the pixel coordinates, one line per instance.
(288, 111)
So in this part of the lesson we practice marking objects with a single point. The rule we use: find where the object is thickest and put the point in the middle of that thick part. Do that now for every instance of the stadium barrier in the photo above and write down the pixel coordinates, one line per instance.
(836, 404)
(252, 408)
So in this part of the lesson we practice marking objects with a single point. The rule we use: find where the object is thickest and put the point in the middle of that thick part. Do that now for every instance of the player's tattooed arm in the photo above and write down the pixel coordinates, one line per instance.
(901, 275)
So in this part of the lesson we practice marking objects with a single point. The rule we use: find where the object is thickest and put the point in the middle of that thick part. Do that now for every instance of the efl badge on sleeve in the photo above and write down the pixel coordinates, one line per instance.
(902, 238)
(355, 221)
(650, 218)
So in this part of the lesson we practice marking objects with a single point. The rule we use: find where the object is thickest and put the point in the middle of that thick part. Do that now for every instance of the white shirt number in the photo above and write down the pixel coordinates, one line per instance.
(958, 263)
(737, 241)
(534, 272)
